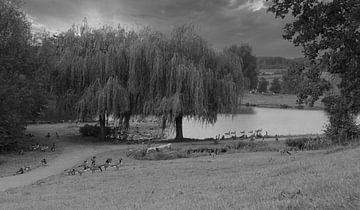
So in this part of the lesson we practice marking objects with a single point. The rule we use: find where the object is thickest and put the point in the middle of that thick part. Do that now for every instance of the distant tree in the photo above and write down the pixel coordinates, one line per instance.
(249, 64)
(263, 85)
(21, 97)
(328, 31)
(292, 80)
(275, 86)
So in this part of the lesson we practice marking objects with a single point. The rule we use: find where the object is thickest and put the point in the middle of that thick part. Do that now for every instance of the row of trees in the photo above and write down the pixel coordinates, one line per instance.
(292, 81)
(275, 86)
(115, 72)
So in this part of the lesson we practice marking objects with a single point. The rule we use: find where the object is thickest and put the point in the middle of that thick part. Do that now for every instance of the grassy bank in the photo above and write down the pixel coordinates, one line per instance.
(276, 101)
(261, 180)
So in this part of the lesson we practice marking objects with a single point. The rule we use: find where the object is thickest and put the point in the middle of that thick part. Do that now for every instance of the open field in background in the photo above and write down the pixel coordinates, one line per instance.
(276, 100)
(266, 180)
(271, 74)
(272, 71)
(270, 78)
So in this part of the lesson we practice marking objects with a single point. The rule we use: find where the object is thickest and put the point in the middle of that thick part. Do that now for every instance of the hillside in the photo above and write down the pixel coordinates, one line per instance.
(279, 62)
(327, 179)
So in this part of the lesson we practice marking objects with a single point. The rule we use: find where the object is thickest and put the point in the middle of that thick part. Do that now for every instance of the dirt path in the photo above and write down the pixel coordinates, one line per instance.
(73, 154)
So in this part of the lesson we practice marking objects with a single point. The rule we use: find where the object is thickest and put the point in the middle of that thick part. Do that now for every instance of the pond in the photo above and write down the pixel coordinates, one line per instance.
(274, 121)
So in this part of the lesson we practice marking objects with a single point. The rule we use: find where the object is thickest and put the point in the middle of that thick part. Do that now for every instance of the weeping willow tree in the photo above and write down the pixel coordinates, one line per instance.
(92, 71)
(115, 72)
(189, 79)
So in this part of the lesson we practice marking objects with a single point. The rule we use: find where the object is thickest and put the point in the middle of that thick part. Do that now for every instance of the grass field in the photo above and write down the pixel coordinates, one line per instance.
(267, 180)
(323, 179)
(11, 162)
(275, 100)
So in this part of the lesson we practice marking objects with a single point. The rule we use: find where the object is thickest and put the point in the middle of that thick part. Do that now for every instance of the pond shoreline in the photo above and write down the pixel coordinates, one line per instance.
(282, 106)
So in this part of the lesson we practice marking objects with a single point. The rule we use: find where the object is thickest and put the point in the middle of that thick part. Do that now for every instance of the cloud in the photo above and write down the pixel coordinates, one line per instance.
(35, 25)
(221, 22)
(253, 5)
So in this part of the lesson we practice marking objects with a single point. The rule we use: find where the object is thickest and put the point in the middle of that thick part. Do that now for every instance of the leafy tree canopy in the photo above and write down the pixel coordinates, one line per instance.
(275, 86)
(263, 85)
(21, 97)
(328, 31)
(249, 64)
(113, 71)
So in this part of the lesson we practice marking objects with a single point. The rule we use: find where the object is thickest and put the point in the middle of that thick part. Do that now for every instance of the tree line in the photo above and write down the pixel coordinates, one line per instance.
(113, 72)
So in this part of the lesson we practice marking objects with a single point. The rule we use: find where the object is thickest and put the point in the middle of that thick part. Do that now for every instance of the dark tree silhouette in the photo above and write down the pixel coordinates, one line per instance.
(21, 96)
(329, 32)
(275, 86)
(249, 64)
(263, 85)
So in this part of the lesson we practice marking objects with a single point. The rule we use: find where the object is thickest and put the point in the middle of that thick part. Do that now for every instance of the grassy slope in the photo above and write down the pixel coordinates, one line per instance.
(11, 162)
(277, 99)
(324, 180)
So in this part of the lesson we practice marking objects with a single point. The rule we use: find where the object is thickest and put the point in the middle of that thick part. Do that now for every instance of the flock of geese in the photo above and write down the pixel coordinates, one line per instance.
(243, 134)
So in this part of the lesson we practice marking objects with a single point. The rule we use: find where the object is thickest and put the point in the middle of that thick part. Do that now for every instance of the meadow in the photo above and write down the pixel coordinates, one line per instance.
(269, 100)
(322, 179)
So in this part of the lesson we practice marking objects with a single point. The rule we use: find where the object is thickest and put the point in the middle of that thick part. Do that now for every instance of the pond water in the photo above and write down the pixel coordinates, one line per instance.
(274, 121)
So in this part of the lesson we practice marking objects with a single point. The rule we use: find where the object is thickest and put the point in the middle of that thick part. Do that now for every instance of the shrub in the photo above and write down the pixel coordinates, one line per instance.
(284, 106)
(93, 130)
(142, 154)
(296, 143)
(317, 143)
(300, 107)
(308, 143)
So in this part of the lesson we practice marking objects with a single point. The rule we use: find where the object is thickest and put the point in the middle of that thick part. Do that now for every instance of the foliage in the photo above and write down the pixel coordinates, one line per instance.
(308, 143)
(142, 154)
(328, 31)
(275, 86)
(263, 85)
(21, 96)
(109, 71)
(292, 80)
(342, 123)
(249, 64)
(93, 130)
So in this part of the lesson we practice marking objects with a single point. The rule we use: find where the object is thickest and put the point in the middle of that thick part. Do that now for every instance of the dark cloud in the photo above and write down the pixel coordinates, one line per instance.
(221, 22)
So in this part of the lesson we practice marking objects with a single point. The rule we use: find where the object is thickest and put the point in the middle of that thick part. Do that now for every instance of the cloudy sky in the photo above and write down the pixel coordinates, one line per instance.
(221, 22)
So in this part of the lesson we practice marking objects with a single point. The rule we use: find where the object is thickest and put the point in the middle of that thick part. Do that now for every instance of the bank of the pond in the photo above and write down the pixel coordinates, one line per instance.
(282, 106)
(277, 101)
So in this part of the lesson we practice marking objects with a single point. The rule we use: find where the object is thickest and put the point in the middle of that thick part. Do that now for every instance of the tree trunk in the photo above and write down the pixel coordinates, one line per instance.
(178, 125)
(126, 123)
(102, 127)
(163, 124)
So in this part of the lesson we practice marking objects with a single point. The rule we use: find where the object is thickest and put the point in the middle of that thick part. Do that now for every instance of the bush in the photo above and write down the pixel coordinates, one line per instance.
(138, 154)
(300, 107)
(142, 154)
(296, 143)
(284, 106)
(93, 130)
(308, 143)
